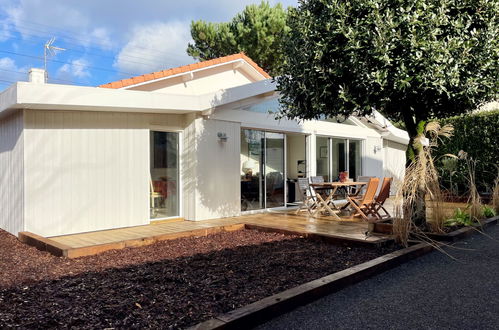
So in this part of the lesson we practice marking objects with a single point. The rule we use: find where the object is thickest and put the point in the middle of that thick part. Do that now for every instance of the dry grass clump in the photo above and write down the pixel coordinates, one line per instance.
(475, 205)
(495, 194)
(421, 185)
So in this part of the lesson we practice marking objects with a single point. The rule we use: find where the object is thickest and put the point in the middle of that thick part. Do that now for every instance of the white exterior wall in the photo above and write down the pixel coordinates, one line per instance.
(12, 173)
(207, 81)
(88, 171)
(372, 161)
(394, 163)
(212, 180)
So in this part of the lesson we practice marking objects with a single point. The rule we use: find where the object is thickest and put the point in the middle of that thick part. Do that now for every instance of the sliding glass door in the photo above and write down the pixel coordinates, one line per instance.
(338, 156)
(274, 169)
(335, 155)
(262, 170)
(164, 174)
(322, 153)
(354, 158)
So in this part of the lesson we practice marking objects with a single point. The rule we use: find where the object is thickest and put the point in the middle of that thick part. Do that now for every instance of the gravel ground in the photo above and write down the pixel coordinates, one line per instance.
(171, 284)
(432, 292)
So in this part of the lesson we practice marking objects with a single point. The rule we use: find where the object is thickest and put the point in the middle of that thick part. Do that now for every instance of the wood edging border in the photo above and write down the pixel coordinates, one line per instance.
(267, 308)
(452, 236)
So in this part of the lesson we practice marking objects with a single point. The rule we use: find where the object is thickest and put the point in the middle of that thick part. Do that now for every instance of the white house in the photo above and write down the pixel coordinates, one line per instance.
(194, 142)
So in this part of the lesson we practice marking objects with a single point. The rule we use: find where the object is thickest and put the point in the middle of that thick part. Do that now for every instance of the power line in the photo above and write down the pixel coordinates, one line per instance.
(64, 62)
(93, 54)
(64, 35)
(51, 79)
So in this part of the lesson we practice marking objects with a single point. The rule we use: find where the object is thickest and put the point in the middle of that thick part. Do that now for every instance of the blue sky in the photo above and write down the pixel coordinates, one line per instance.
(105, 40)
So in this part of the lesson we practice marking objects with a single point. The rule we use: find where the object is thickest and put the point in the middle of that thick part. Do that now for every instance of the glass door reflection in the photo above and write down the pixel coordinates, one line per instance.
(274, 169)
(164, 174)
(262, 170)
(252, 146)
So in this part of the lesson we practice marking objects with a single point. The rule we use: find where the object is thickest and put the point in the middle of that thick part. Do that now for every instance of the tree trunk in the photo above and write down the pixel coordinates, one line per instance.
(417, 204)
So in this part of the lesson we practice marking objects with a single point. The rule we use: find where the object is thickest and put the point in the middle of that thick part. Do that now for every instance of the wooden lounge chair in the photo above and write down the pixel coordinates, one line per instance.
(364, 205)
(361, 189)
(309, 199)
(314, 191)
(383, 195)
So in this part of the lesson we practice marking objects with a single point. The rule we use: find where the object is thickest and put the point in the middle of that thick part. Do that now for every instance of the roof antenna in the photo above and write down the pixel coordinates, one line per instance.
(49, 50)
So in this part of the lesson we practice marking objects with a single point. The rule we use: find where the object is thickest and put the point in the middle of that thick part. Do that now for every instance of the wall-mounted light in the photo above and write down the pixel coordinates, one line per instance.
(222, 136)
(377, 148)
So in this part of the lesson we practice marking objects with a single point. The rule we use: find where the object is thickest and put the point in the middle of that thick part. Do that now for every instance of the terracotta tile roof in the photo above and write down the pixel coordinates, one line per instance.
(182, 69)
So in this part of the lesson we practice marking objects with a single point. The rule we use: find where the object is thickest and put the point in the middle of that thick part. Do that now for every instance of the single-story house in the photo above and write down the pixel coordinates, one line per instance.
(195, 142)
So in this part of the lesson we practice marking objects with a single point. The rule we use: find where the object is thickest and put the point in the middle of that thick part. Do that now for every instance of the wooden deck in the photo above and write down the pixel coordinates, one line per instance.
(95, 242)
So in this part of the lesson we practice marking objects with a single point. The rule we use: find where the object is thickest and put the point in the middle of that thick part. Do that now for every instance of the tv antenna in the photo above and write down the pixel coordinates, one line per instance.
(49, 50)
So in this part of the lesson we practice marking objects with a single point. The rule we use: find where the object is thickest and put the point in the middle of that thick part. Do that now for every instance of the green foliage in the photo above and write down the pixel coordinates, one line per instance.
(488, 212)
(257, 31)
(460, 218)
(478, 136)
(410, 59)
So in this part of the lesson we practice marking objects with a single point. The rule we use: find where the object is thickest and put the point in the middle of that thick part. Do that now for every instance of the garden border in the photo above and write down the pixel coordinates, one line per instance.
(453, 236)
(267, 308)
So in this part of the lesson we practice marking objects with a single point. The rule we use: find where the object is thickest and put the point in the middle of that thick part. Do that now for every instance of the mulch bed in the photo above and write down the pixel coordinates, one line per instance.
(171, 284)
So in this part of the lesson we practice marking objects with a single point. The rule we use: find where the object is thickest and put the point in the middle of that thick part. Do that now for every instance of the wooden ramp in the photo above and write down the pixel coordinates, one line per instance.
(77, 245)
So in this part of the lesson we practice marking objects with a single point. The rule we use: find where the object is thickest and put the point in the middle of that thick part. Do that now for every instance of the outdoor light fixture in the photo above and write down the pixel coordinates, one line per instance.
(377, 148)
(222, 136)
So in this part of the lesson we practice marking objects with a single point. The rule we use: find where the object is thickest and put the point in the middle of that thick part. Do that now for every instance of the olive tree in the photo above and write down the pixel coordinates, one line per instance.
(412, 60)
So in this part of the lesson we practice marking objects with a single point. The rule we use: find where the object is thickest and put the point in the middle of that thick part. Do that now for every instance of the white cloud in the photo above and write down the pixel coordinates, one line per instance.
(155, 46)
(72, 22)
(4, 31)
(10, 72)
(100, 36)
(104, 23)
(74, 70)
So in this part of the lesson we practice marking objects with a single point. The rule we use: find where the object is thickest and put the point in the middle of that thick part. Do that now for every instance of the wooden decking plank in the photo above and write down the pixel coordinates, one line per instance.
(289, 221)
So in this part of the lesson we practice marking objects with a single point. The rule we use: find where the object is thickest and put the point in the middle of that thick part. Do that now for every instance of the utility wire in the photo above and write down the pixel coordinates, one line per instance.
(64, 62)
(64, 34)
(151, 63)
(52, 79)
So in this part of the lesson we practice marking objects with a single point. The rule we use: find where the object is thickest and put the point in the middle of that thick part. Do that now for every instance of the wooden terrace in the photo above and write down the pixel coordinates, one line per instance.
(347, 231)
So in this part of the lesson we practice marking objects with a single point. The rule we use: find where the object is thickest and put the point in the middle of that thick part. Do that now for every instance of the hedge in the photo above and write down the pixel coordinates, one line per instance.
(478, 135)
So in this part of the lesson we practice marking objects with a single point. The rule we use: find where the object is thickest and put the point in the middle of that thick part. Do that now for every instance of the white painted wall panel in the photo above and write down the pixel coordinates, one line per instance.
(205, 81)
(394, 163)
(372, 162)
(217, 178)
(88, 171)
(12, 173)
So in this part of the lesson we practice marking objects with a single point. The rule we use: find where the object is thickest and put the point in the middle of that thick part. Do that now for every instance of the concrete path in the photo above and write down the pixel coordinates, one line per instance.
(432, 292)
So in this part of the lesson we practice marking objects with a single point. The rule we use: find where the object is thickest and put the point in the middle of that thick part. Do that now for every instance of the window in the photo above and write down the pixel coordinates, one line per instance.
(335, 155)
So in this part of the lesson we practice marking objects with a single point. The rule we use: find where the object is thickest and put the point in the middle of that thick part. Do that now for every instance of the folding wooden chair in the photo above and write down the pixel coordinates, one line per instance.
(383, 195)
(364, 206)
(309, 199)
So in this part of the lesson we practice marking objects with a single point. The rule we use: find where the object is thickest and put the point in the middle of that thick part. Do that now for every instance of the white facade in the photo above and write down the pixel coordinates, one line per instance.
(12, 173)
(77, 159)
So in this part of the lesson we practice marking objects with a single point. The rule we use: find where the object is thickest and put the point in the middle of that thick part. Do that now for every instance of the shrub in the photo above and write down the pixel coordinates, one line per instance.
(488, 212)
(460, 218)
(478, 136)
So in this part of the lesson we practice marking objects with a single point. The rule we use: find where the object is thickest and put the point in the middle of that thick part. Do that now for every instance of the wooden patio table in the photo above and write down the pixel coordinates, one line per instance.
(323, 205)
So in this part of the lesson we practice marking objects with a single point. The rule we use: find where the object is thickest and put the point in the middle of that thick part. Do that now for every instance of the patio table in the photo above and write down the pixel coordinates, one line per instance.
(323, 205)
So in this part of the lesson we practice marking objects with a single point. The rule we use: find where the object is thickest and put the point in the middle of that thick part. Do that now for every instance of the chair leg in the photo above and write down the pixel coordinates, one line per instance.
(358, 208)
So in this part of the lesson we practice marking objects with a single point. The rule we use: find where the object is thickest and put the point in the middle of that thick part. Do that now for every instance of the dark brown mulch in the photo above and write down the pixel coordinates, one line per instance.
(172, 284)
(23, 264)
